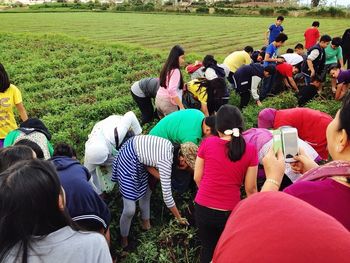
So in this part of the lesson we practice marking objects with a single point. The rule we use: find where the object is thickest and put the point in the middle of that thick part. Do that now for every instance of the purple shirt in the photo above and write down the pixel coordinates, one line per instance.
(344, 77)
(327, 195)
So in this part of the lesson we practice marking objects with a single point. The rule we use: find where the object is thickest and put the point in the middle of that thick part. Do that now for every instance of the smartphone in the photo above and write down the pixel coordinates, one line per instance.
(277, 140)
(289, 136)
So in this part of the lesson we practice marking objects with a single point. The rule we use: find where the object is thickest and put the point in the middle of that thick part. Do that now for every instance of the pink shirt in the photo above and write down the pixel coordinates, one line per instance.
(172, 90)
(222, 178)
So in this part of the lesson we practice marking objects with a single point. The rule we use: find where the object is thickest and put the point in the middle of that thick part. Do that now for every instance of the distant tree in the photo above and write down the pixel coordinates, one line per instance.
(315, 3)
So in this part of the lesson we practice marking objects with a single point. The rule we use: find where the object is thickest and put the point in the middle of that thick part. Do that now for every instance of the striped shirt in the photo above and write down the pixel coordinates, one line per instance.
(157, 152)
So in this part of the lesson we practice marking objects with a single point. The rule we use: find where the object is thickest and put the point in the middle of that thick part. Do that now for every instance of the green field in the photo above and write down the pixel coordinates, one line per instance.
(198, 34)
(71, 81)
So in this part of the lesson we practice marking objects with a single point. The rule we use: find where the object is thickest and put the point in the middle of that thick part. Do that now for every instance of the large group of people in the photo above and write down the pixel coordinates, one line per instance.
(53, 209)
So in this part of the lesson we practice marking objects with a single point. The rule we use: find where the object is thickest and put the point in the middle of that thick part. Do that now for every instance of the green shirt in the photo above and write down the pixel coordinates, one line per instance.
(181, 126)
(333, 55)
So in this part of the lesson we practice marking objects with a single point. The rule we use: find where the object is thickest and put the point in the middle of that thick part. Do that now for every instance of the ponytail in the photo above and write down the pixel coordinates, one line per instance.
(236, 148)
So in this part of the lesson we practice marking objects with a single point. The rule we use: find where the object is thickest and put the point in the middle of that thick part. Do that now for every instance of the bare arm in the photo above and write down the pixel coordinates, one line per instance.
(274, 170)
(341, 62)
(178, 102)
(250, 180)
(153, 171)
(22, 111)
(311, 67)
(198, 170)
(267, 33)
(204, 109)
(293, 84)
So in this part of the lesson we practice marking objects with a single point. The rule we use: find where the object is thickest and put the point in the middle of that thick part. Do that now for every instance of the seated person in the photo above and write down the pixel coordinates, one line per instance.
(308, 92)
(34, 130)
(84, 205)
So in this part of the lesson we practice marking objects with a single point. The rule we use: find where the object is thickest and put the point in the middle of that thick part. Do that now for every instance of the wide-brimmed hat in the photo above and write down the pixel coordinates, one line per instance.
(189, 152)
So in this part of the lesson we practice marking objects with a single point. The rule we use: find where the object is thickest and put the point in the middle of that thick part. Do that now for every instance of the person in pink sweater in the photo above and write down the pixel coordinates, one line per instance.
(169, 95)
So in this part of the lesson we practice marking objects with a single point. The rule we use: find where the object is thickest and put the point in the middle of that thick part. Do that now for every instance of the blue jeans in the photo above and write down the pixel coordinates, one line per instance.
(266, 86)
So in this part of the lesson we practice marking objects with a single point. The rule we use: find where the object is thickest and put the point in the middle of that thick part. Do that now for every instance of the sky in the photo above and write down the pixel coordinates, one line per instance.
(331, 2)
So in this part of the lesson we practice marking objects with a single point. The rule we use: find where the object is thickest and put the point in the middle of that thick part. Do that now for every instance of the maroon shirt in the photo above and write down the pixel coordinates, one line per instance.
(327, 195)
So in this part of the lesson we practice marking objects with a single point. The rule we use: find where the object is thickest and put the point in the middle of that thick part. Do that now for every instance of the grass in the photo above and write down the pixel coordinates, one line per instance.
(198, 34)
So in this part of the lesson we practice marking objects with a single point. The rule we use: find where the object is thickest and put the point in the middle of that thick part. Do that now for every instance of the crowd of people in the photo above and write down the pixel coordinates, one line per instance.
(52, 207)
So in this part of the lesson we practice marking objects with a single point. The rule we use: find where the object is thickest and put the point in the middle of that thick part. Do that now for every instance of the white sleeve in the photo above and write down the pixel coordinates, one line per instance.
(313, 55)
(210, 74)
(128, 121)
(254, 87)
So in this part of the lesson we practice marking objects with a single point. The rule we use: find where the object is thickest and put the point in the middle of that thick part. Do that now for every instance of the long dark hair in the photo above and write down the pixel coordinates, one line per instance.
(344, 116)
(210, 62)
(29, 197)
(4, 79)
(229, 117)
(11, 155)
(171, 63)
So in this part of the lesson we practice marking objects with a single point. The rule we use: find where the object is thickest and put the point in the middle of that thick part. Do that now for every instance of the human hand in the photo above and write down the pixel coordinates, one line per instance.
(258, 102)
(182, 221)
(303, 162)
(312, 74)
(280, 60)
(274, 165)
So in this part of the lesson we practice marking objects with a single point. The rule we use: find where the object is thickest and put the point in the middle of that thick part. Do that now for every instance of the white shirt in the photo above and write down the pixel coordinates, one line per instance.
(292, 58)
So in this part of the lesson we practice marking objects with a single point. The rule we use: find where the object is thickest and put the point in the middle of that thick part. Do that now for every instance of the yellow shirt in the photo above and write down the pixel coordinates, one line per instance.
(8, 100)
(237, 59)
(201, 94)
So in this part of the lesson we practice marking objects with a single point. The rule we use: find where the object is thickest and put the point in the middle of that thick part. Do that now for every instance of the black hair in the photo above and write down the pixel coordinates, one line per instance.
(216, 89)
(176, 154)
(282, 37)
(29, 206)
(298, 66)
(171, 63)
(210, 122)
(270, 69)
(344, 116)
(316, 78)
(316, 24)
(299, 46)
(248, 49)
(229, 117)
(11, 155)
(64, 149)
(337, 66)
(209, 61)
(33, 145)
(280, 18)
(290, 50)
(336, 41)
(325, 38)
(4, 79)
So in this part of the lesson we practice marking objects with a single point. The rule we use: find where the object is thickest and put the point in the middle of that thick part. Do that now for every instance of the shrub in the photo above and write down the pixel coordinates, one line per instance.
(202, 10)
(283, 12)
(266, 11)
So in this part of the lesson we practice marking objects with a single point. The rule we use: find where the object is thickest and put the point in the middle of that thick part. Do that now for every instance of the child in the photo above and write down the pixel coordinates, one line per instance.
(223, 164)
(274, 30)
(10, 96)
(34, 224)
(312, 35)
(308, 92)
(169, 95)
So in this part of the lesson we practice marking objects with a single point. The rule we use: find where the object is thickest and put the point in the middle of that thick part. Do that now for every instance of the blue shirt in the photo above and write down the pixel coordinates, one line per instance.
(272, 51)
(274, 32)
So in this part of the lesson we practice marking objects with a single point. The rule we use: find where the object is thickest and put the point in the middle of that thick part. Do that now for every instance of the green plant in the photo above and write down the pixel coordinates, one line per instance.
(266, 11)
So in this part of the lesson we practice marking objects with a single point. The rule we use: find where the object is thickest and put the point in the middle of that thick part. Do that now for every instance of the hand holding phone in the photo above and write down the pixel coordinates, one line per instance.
(290, 146)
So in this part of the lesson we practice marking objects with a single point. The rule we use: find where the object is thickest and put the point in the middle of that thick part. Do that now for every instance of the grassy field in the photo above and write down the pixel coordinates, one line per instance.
(70, 83)
(198, 34)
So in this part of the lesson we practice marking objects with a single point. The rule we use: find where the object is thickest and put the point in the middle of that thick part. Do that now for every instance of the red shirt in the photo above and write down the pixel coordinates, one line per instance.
(311, 125)
(271, 227)
(311, 37)
(285, 69)
(222, 178)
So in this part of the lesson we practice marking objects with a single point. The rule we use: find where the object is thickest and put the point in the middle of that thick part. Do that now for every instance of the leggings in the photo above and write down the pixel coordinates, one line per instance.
(211, 224)
(129, 212)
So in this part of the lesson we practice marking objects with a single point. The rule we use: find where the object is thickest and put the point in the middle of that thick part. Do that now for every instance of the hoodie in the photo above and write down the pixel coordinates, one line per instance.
(82, 202)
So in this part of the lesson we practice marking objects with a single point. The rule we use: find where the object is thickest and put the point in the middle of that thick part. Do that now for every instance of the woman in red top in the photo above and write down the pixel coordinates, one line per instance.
(223, 163)
(311, 125)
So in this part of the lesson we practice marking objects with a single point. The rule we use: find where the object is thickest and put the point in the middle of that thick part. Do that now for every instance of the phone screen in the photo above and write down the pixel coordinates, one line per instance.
(290, 144)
